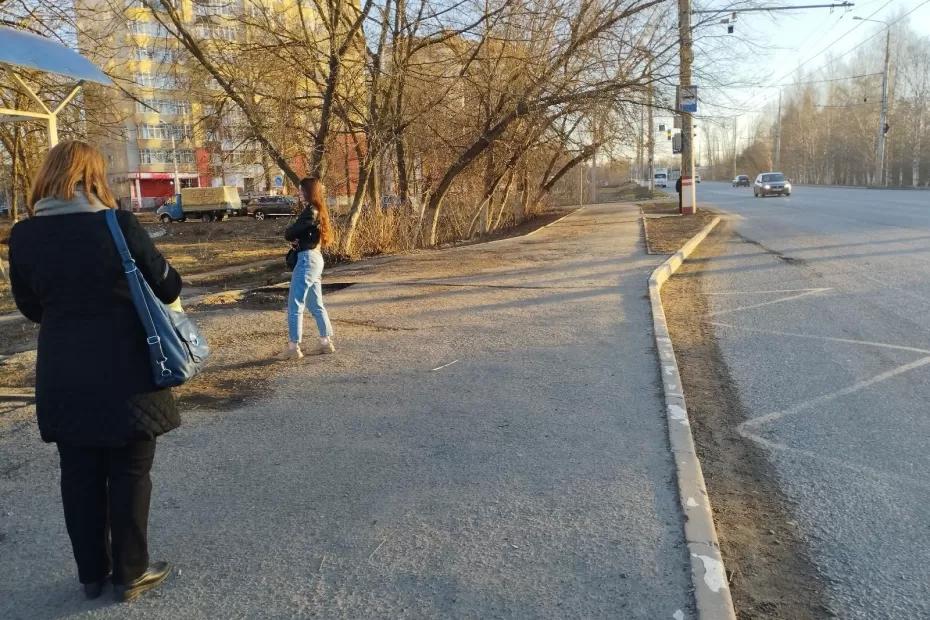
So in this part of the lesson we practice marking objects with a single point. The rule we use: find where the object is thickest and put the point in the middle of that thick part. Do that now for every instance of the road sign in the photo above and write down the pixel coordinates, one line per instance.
(688, 99)
(279, 181)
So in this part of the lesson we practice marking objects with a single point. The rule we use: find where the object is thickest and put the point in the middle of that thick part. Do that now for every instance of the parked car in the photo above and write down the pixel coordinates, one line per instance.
(270, 206)
(771, 184)
(741, 180)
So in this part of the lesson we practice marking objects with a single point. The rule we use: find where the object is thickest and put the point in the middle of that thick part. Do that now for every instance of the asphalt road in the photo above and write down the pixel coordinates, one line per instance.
(490, 441)
(821, 307)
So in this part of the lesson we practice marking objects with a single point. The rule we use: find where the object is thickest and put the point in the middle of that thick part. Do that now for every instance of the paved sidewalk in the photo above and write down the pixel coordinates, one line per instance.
(483, 446)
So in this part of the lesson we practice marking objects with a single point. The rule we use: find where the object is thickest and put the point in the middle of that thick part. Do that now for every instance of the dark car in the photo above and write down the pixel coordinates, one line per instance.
(771, 184)
(741, 181)
(272, 206)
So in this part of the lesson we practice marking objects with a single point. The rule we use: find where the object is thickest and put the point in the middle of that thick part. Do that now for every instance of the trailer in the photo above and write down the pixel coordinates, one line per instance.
(208, 204)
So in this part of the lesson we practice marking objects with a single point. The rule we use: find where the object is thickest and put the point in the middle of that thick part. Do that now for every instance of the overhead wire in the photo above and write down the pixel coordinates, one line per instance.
(847, 52)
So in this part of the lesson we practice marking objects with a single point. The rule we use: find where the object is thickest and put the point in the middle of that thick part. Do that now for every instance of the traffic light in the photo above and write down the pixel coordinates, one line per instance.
(669, 134)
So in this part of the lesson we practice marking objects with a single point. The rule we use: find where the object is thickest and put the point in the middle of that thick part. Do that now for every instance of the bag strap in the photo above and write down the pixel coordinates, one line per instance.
(132, 271)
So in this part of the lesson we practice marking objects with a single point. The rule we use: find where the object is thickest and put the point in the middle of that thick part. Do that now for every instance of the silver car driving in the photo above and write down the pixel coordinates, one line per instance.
(771, 184)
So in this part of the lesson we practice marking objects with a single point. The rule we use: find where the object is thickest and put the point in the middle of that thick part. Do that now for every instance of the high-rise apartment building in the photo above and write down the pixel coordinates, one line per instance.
(167, 124)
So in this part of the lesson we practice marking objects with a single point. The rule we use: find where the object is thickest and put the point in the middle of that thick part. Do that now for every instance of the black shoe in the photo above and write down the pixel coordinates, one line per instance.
(150, 579)
(95, 589)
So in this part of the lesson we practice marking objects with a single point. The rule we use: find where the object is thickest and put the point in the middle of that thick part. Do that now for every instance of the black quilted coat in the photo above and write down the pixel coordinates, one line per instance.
(93, 380)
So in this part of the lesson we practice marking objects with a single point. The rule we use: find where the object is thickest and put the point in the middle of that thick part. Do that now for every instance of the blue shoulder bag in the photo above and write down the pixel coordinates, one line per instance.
(176, 348)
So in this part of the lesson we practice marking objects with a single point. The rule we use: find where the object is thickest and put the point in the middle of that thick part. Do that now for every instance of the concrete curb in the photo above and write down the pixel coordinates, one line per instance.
(708, 576)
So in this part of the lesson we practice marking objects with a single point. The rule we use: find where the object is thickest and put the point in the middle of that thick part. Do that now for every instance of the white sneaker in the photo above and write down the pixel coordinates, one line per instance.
(326, 349)
(290, 354)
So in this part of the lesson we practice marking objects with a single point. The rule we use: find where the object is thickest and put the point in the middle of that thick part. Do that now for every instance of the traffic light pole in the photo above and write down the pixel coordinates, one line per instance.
(880, 169)
(686, 52)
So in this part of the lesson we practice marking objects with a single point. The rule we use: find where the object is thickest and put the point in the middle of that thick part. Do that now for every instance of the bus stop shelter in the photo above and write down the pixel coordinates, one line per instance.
(25, 50)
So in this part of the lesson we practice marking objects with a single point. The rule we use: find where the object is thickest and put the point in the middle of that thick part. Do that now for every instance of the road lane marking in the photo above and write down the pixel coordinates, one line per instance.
(866, 343)
(445, 365)
(882, 478)
(851, 389)
(746, 428)
(900, 289)
(769, 303)
(786, 290)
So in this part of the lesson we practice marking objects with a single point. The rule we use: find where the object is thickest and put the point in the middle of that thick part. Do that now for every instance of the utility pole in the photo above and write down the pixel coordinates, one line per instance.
(650, 135)
(880, 179)
(686, 58)
(883, 117)
(778, 135)
(174, 156)
(581, 185)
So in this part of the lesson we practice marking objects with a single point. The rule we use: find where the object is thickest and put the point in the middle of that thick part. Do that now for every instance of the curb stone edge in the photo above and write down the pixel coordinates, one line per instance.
(708, 575)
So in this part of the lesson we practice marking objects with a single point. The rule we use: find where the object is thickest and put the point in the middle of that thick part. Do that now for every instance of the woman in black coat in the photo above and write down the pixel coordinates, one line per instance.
(95, 397)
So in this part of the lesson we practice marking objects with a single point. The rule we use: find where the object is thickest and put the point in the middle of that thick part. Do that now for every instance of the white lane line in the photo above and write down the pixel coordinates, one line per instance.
(746, 428)
(769, 303)
(900, 289)
(866, 343)
(884, 479)
(445, 365)
(855, 387)
(786, 290)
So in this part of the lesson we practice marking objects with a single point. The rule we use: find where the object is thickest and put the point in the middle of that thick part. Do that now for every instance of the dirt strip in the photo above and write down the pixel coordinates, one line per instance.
(771, 574)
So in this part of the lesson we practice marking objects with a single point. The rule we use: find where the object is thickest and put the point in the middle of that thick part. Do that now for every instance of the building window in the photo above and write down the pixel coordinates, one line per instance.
(150, 28)
(164, 106)
(149, 80)
(223, 8)
(165, 156)
(165, 131)
(214, 32)
(156, 55)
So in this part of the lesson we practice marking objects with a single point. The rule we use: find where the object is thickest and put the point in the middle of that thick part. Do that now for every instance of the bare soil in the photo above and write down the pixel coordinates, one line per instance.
(769, 567)
(242, 301)
(667, 231)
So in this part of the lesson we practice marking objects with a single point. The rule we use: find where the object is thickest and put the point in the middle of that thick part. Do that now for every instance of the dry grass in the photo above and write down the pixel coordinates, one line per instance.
(666, 235)
(6, 298)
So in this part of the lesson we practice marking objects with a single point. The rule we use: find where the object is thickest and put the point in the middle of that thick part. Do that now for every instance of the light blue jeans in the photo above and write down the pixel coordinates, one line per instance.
(307, 292)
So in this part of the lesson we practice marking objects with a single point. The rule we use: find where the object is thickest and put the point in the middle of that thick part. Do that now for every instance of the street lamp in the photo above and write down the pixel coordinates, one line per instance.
(883, 118)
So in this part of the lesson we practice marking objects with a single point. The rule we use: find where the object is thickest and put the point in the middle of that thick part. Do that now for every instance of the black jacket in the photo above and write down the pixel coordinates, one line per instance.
(678, 185)
(306, 230)
(93, 378)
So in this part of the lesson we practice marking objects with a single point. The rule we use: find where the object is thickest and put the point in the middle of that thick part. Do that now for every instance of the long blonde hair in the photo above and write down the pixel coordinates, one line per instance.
(68, 164)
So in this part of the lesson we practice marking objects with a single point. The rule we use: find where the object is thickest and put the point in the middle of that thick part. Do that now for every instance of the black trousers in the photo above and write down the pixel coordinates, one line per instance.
(106, 493)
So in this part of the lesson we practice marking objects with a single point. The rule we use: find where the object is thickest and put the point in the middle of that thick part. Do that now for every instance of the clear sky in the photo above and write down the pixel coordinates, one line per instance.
(800, 42)
(775, 48)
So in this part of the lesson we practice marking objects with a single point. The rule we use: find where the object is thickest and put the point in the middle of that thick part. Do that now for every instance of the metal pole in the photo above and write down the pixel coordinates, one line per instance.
(174, 156)
(686, 54)
(651, 134)
(778, 136)
(52, 130)
(581, 184)
(880, 167)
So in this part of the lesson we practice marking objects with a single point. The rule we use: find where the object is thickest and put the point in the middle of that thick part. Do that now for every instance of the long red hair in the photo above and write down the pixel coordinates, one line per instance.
(312, 188)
